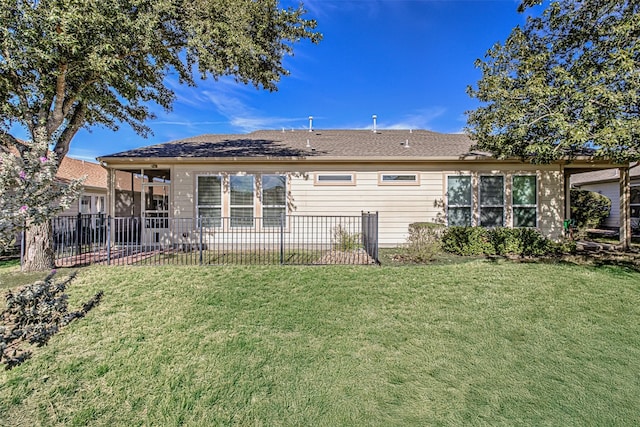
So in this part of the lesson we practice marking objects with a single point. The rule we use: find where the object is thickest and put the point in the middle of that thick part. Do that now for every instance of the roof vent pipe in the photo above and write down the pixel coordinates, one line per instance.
(374, 122)
(310, 123)
(406, 144)
(308, 144)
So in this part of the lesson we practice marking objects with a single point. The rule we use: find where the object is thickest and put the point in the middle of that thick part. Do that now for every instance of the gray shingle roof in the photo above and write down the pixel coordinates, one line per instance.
(354, 144)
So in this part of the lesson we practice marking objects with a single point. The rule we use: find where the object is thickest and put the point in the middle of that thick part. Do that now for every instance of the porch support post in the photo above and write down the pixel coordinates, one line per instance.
(625, 208)
(567, 194)
(111, 203)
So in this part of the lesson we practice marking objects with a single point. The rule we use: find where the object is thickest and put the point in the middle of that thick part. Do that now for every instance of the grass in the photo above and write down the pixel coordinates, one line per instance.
(481, 343)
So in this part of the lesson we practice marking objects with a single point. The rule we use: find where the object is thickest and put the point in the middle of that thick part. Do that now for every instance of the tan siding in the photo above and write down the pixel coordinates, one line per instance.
(551, 203)
(398, 205)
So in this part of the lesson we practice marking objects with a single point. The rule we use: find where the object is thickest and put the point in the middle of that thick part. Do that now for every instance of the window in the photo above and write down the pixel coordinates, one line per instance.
(335, 179)
(459, 200)
(100, 206)
(241, 200)
(398, 179)
(85, 205)
(491, 201)
(524, 204)
(210, 200)
(274, 199)
(635, 202)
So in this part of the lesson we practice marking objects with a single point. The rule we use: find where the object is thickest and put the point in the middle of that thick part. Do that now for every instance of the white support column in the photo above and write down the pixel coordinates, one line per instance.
(625, 208)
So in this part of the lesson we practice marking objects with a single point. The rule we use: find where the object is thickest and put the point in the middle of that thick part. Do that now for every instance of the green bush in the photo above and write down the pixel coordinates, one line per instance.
(588, 208)
(520, 241)
(423, 241)
(467, 241)
(499, 241)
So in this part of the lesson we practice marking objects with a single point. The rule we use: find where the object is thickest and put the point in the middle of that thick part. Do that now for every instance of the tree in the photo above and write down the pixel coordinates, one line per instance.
(68, 64)
(567, 83)
(30, 193)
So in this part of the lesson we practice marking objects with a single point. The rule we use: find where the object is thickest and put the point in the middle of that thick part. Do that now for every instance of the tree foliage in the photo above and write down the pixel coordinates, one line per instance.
(566, 83)
(69, 64)
(30, 193)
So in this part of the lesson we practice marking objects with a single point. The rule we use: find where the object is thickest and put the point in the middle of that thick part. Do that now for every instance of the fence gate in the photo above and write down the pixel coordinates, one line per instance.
(370, 234)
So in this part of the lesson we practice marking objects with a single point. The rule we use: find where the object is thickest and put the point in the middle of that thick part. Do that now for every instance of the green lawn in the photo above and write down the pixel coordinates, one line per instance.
(481, 343)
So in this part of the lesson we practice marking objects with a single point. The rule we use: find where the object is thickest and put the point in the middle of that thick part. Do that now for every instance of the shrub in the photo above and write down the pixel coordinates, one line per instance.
(345, 241)
(34, 314)
(423, 242)
(520, 241)
(467, 241)
(588, 208)
(500, 241)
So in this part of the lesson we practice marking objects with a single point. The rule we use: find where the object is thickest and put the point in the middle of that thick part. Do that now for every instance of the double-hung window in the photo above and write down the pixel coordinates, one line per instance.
(209, 199)
(459, 200)
(492, 201)
(241, 200)
(274, 199)
(524, 200)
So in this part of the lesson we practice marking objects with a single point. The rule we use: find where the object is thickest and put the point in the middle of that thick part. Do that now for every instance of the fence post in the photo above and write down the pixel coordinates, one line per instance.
(79, 234)
(109, 240)
(282, 218)
(199, 219)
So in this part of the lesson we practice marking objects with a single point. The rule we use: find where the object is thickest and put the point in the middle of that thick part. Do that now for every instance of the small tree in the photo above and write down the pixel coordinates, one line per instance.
(31, 195)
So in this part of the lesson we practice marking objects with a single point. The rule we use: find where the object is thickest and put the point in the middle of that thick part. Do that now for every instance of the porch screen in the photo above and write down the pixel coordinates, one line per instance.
(459, 200)
(241, 201)
(274, 199)
(524, 203)
(491, 201)
(210, 200)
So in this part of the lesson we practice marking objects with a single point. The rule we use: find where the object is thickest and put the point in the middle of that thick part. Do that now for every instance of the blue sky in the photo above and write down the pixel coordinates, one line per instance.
(407, 61)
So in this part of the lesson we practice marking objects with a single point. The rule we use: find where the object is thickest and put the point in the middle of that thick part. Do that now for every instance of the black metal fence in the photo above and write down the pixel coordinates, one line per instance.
(292, 239)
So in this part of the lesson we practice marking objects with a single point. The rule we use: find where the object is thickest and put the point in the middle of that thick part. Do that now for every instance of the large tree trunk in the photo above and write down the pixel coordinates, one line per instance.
(38, 249)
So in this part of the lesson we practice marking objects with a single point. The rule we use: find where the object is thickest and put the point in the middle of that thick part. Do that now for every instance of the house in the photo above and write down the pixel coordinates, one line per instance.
(92, 200)
(406, 176)
(606, 182)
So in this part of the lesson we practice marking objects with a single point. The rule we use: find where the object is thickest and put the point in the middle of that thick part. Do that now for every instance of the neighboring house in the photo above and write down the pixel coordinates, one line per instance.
(607, 183)
(93, 197)
(92, 200)
(407, 176)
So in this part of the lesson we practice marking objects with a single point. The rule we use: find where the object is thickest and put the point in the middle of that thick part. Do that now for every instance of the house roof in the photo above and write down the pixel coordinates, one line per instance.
(70, 168)
(604, 175)
(302, 144)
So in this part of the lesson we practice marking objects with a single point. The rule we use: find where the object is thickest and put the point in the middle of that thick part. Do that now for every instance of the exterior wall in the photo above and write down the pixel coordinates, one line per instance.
(612, 191)
(74, 209)
(398, 204)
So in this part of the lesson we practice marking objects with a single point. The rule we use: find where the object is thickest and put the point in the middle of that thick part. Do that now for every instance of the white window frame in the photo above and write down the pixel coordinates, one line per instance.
(325, 178)
(383, 181)
(283, 206)
(469, 206)
(504, 200)
(513, 205)
(216, 224)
